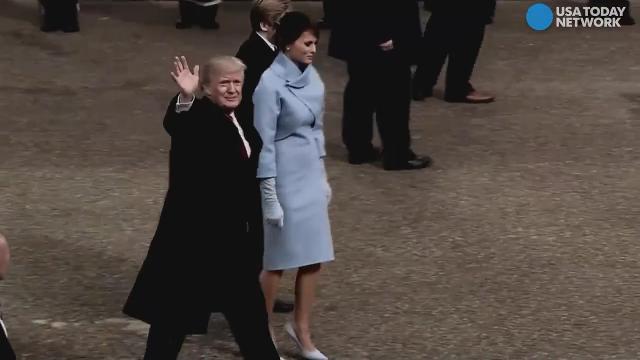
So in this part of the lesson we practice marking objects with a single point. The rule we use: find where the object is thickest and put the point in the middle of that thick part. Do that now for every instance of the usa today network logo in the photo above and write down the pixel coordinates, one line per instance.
(541, 16)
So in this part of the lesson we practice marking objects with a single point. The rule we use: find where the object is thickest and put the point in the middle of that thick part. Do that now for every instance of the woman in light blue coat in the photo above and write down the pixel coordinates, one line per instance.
(288, 111)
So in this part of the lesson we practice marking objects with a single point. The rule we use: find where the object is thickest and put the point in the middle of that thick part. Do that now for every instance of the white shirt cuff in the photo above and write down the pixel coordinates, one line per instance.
(182, 105)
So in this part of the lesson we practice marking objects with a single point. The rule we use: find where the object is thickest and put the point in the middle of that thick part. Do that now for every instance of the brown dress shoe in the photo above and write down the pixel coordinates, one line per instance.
(473, 97)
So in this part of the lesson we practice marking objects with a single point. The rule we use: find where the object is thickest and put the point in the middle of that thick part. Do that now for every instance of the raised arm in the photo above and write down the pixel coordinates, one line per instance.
(180, 105)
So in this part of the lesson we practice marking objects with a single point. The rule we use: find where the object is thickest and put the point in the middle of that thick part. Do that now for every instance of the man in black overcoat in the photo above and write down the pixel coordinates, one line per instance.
(626, 18)
(455, 31)
(59, 15)
(378, 43)
(6, 351)
(257, 53)
(198, 12)
(198, 260)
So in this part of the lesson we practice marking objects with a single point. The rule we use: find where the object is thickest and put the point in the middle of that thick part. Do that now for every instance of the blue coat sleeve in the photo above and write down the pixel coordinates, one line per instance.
(266, 110)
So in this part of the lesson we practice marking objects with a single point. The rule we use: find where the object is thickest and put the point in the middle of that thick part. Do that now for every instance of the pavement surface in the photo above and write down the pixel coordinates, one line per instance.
(520, 243)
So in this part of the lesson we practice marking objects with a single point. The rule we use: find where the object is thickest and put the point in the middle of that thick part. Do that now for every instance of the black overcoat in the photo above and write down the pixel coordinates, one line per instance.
(257, 56)
(357, 29)
(203, 256)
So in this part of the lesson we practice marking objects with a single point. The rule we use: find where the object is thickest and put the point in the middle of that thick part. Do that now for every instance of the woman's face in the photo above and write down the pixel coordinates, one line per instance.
(304, 49)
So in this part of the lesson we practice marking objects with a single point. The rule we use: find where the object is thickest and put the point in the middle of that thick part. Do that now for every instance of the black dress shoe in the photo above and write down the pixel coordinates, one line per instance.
(418, 94)
(183, 25)
(472, 98)
(420, 162)
(282, 307)
(372, 155)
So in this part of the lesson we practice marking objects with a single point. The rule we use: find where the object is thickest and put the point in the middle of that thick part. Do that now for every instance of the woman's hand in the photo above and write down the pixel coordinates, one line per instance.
(187, 81)
(328, 191)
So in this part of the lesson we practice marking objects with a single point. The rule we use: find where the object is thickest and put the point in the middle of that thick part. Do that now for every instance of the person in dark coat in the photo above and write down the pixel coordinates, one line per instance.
(626, 18)
(198, 260)
(379, 51)
(59, 15)
(198, 12)
(6, 351)
(257, 53)
(455, 30)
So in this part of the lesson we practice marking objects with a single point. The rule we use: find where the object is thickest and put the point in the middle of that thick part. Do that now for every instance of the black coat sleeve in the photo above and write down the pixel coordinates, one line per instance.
(174, 122)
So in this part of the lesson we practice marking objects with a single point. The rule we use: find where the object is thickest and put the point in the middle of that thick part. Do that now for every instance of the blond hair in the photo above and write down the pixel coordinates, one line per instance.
(220, 65)
(268, 12)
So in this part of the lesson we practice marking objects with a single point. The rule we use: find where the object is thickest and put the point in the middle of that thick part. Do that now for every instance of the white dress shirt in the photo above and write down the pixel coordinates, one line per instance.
(186, 105)
(4, 328)
(273, 47)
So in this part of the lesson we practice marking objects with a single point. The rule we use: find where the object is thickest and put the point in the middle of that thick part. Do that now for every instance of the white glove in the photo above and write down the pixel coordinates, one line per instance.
(328, 191)
(271, 209)
(327, 187)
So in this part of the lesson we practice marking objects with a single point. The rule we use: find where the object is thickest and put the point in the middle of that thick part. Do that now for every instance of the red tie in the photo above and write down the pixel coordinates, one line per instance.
(243, 150)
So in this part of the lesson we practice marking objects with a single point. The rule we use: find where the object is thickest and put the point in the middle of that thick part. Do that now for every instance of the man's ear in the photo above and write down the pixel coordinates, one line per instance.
(264, 26)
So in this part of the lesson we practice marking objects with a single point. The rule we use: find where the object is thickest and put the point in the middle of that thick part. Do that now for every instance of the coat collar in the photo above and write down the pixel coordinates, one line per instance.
(286, 69)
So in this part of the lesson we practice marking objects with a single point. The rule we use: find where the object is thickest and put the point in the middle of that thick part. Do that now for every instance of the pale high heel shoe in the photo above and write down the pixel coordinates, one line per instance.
(314, 354)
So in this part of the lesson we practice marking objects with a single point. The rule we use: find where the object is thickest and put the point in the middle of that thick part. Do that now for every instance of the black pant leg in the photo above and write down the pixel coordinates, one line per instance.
(6, 351)
(188, 12)
(358, 108)
(466, 46)
(432, 54)
(69, 15)
(393, 108)
(207, 16)
(249, 325)
(163, 343)
(50, 16)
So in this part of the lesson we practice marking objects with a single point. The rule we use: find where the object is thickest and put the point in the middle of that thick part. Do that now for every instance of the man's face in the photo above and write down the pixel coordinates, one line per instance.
(226, 90)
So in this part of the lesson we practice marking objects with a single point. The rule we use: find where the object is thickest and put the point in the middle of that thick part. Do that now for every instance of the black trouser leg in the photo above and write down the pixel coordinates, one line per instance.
(249, 325)
(163, 343)
(464, 52)
(433, 53)
(6, 351)
(393, 108)
(51, 16)
(187, 12)
(359, 98)
(69, 15)
(207, 16)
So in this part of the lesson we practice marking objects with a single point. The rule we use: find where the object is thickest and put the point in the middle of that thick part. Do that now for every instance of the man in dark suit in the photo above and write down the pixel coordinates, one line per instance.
(257, 53)
(198, 12)
(379, 50)
(454, 30)
(626, 18)
(6, 351)
(197, 261)
(59, 15)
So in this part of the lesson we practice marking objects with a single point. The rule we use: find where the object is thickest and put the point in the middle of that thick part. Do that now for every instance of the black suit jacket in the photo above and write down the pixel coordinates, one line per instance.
(6, 351)
(204, 252)
(257, 56)
(479, 11)
(357, 30)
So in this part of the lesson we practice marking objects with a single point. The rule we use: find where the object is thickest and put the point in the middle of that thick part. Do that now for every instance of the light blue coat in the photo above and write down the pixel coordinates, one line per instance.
(288, 114)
